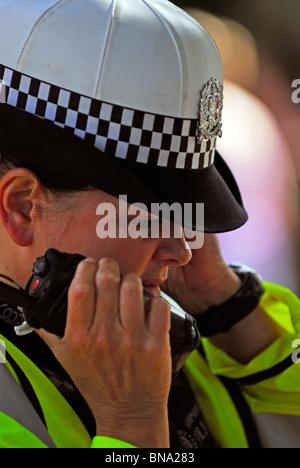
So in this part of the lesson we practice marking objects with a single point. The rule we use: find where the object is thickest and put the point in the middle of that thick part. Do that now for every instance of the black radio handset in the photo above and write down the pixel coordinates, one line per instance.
(44, 303)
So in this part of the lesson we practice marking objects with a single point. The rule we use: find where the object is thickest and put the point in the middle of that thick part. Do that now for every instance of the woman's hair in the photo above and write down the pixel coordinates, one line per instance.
(54, 183)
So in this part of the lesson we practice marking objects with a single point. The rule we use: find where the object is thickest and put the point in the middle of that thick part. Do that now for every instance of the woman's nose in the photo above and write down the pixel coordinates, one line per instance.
(174, 250)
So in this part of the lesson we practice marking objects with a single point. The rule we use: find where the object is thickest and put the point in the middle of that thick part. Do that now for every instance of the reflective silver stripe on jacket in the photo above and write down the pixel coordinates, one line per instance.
(278, 430)
(15, 404)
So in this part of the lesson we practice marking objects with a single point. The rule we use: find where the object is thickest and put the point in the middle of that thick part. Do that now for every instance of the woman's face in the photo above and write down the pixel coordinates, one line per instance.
(74, 230)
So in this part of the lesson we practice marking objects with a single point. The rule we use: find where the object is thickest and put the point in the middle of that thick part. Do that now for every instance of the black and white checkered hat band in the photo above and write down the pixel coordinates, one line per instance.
(121, 132)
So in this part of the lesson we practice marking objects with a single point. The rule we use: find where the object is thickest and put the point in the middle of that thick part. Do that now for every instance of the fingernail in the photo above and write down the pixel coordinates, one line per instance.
(90, 260)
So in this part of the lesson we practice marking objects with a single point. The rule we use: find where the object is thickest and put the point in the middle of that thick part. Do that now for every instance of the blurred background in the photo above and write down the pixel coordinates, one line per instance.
(259, 42)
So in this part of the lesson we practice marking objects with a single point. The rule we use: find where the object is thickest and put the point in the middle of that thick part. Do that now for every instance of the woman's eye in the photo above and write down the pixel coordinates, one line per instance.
(144, 228)
(150, 223)
(146, 223)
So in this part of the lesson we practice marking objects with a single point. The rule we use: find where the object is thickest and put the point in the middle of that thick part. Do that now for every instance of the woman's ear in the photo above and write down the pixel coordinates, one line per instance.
(21, 193)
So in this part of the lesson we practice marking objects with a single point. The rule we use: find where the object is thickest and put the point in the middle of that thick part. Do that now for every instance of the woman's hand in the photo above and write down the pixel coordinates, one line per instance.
(117, 353)
(205, 281)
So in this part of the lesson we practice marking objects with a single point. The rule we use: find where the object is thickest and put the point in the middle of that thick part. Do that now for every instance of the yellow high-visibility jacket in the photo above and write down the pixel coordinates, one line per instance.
(253, 405)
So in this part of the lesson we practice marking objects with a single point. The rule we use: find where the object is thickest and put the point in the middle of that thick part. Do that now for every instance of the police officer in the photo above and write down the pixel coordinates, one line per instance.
(100, 99)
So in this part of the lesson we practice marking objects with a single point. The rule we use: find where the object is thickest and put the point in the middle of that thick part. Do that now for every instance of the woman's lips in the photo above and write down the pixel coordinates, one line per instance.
(152, 289)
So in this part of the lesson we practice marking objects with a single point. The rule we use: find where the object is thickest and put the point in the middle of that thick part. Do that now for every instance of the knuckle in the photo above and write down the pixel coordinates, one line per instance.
(104, 346)
(107, 281)
(109, 265)
(132, 278)
(131, 284)
(80, 289)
